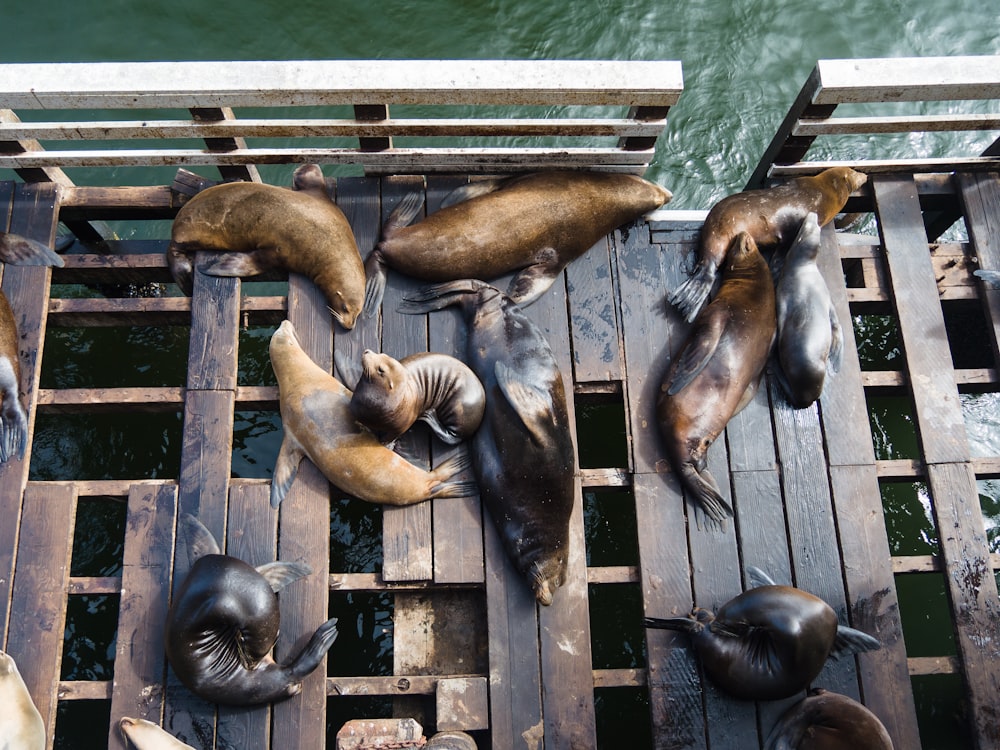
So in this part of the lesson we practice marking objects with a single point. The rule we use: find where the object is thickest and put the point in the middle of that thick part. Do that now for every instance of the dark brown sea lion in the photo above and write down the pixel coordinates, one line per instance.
(18, 251)
(21, 725)
(523, 454)
(769, 642)
(318, 424)
(717, 371)
(772, 216)
(828, 721)
(810, 342)
(390, 395)
(223, 623)
(145, 735)
(255, 227)
(533, 224)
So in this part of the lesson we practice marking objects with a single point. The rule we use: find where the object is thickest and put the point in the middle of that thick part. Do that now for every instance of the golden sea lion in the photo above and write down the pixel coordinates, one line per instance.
(254, 227)
(21, 725)
(533, 224)
(318, 424)
(717, 371)
(771, 216)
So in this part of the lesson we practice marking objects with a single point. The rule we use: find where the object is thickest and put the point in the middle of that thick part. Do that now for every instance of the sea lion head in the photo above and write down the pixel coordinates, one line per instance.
(546, 575)
(146, 735)
(839, 183)
(382, 399)
(345, 311)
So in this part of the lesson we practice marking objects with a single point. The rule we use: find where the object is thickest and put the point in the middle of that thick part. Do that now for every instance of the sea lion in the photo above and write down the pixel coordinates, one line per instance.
(523, 454)
(254, 227)
(828, 721)
(769, 642)
(533, 224)
(717, 371)
(772, 216)
(146, 735)
(223, 623)
(810, 342)
(21, 724)
(390, 395)
(19, 251)
(318, 424)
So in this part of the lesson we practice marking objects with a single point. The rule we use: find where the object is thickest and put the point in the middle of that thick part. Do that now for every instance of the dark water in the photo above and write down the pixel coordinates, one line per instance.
(744, 62)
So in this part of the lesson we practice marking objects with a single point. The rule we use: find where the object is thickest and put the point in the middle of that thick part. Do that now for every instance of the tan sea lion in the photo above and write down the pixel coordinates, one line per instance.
(20, 251)
(21, 725)
(223, 622)
(772, 216)
(254, 227)
(318, 424)
(390, 395)
(828, 721)
(769, 642)
(717, 370)
(523, 454)
(810, 342)
(533, 224)
(145, 735)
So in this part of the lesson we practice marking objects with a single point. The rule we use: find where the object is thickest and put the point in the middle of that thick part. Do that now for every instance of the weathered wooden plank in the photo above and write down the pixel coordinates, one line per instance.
(38, 602)
(214, 332)
(168, 398)
(594, 319)
(898, 124)
(981, 198)
(301, 720)
(331, 82)
(251, 536)
(140, 666)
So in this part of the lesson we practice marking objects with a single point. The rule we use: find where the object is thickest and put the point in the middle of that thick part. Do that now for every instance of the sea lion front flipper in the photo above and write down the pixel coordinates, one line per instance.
(290, 455)
(683, 624)
(404, 213)
(236, 264)
(279, 574)
(23, 251)
(200, 541)
(757, 577)
(698, 349)
(851, 641)
(472, 190)
(348, 370)
(531, 281)
(836, 343)
(447, 436)
(313, 653)
(532, 404)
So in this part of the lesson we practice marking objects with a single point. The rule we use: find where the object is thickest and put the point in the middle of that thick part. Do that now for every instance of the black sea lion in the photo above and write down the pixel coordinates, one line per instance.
(828, 721)
(717, 371)
(318, 424)
(522, 452)
(255, 227)
(810, 342)
(772, 216)
(223, 623)
(390, 395)
(533, 224)
(145, 735)
(769, 642)
(18, 251)
(21, 725)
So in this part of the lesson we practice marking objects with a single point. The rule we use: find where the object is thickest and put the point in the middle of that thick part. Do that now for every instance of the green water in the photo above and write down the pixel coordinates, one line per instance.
(744, 62)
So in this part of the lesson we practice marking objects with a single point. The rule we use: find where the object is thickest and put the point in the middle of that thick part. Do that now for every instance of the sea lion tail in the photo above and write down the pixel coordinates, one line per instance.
(691, 295)
(439, 296)
(314, 651)
(22, 251)
(851, 641)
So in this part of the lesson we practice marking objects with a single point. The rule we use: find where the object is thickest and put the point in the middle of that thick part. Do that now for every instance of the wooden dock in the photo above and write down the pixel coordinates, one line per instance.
(805, 484)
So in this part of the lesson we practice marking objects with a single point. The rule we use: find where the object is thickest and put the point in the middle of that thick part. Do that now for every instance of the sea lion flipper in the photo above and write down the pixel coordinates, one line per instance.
(348, 370)
(472, 190)
(405, 212)
(314, 651)
(290, 455)
(13, 426)
(683, 624)
(757, 577)
(697, 351)
(531, 281)
(836, 343)
(447, 436)
(375, 275)
(851, 641)
(200, 541)
(23, 251)
(691, 295)
(532, 404)
(989, 277)
(234, 264)
(279, 574)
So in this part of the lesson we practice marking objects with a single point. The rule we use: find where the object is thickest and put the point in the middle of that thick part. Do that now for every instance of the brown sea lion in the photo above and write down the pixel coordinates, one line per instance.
(223, 622)
(828, 721)
(523, 454)
(19, 251)
(145, 735)
(810, 342)
(717, 371)
(769, 642)
(254, 227)
(390, 395)
(772, 216)
(21, 725)
(533, 224)
(318, 424)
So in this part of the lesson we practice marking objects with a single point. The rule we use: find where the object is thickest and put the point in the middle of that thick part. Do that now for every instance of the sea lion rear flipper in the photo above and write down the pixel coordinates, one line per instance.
(13, 426)
(683, 624)
(234, 264)
(314, 651)
(290, 455)
(348, 370)
(836, 343)
(199, 539)
(698, 349)
(439, 296)
(375, 273)
(532, 404)
(757, 577)
(706, 491)
(279, 574)
(404, 213)
(851, 641)
(691, 295)
(23, 251)
(472, 190)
